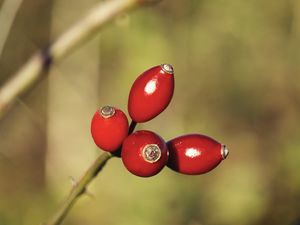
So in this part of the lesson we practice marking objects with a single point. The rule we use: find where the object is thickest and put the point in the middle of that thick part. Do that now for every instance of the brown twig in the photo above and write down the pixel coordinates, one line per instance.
(78, 189)
(32, 70)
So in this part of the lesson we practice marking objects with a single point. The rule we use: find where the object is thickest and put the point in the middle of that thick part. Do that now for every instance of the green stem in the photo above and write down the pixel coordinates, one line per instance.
(78, 189)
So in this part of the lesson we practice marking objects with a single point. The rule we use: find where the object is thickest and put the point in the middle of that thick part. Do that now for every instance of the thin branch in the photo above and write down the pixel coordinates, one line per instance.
(32, 71)
(78, 189)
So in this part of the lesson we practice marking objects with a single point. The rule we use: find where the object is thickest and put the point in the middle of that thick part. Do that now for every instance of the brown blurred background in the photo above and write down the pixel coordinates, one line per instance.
(237, 66)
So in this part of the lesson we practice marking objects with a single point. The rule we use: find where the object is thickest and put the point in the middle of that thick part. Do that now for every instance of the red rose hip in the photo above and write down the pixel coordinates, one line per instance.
(195, 154)
(109, 128)
(144, 153)
(151, 93)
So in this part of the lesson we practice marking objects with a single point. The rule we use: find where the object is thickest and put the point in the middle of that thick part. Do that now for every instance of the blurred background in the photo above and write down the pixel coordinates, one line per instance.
(237, 74)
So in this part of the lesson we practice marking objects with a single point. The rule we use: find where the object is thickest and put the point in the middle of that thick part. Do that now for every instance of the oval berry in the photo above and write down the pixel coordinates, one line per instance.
(151, 93)
(144, 153)
(195, 154)
(109, 128)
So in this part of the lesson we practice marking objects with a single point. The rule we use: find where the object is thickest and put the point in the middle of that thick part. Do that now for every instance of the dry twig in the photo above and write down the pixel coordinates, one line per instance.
(32, 70)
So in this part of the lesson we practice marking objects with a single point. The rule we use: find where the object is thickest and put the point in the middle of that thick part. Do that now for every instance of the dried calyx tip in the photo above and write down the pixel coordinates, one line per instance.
(167, 68)
(151, 153)
(107, 111)
(224, 152)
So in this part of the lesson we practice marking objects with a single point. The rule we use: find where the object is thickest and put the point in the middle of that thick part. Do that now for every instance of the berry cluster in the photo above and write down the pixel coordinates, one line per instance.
(144, 153)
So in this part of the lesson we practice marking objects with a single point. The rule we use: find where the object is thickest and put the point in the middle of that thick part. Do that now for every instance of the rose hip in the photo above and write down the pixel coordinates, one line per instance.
(109, 128)
(151, 93)
(144, 153)
(195, 154)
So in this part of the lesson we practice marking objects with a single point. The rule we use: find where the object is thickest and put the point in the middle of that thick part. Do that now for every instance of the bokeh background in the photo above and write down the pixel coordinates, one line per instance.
(237, 68)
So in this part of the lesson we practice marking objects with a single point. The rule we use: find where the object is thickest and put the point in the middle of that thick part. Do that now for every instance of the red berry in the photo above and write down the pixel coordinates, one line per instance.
(109, 128)
(195, 154)
(151, 93)
(144, 153)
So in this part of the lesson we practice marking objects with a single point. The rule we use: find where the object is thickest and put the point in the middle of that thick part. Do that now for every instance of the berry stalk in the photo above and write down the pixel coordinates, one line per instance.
(132, 127)
(78, 189)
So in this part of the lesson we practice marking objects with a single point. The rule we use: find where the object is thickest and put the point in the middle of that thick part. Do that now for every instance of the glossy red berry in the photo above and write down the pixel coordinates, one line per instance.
(144, 153)
(195, 154)
(109, 128)
(151, 93)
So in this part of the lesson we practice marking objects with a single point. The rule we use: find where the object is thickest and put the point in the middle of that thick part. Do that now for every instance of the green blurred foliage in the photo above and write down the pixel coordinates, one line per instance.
(237, 80)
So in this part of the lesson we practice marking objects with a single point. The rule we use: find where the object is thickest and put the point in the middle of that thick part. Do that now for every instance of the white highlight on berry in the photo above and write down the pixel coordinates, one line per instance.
(192, 152)
(151, 86)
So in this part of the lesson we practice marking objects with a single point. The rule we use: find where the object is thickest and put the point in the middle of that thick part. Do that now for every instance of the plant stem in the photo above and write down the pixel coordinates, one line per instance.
(78, 189)
(131, 127)
(84, 29)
